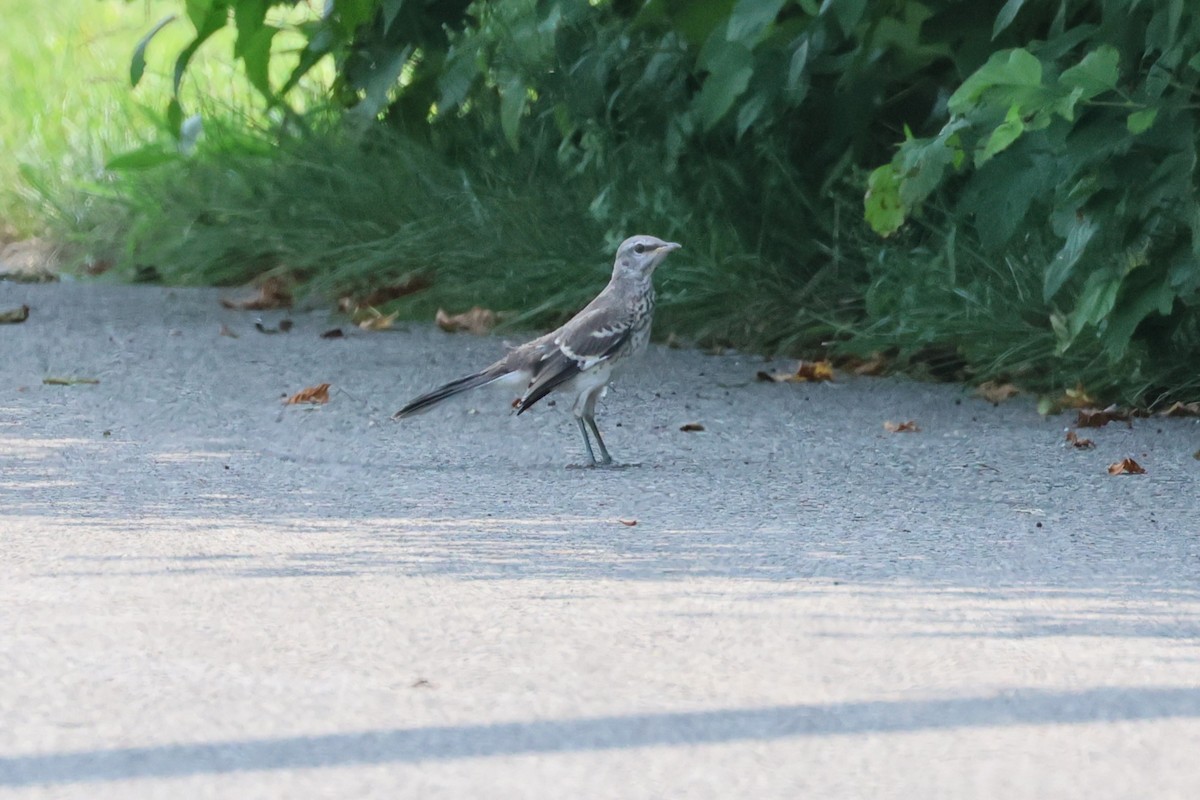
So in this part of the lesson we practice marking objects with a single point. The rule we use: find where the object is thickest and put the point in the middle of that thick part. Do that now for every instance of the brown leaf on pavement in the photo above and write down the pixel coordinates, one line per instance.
(1181, 410)
(12, 316)
(806, 371)
(629, 523)
(1098, 418)
(273, 292)
(996, 392)
(1126, 466)
(318, 395)
(691, 427)
(378, 322)
(478, 321)
(1077, 441)
(333, 333)
(902, 427)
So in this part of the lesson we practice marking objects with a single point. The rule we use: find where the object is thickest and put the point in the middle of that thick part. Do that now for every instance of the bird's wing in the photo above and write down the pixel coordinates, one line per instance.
(591, 338)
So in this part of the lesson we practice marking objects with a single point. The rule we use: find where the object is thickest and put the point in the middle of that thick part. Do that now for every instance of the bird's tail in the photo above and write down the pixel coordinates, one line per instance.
(430, 399)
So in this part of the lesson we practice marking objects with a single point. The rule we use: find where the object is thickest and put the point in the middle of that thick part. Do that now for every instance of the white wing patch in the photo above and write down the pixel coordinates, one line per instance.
(584, 362)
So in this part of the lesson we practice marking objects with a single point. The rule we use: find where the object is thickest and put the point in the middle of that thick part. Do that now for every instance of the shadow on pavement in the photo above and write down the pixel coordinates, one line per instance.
(671, 729)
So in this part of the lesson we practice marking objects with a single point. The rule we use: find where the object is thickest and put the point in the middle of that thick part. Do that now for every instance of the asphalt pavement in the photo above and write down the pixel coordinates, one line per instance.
(206, 593)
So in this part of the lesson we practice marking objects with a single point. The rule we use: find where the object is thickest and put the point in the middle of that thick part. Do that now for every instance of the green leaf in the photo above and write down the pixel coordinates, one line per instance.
(749, 113)
(1006, 16)
(729, 66)
(1013, 72)
(249, 16)
(391, 10)
(137, 65)
(1095, 74)
(751, 18)
(512, 106)
(1004, 135)
(1080, 231)
(379, 81)
(883, 209)
(256, 56)
(1140, 121)
(217, 16)
(151, 155)
(1097, 299)
(174, 117)
(1133, 306)
(198, 11)
(848, 13)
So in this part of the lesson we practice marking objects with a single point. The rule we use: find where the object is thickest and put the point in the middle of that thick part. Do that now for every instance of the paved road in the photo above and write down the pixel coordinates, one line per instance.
(205, 594)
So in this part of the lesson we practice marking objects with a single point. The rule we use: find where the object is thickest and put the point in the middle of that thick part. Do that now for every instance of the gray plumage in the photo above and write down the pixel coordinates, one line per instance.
(580, 357)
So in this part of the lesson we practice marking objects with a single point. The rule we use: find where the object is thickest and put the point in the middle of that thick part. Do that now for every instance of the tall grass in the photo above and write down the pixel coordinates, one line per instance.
(66, 105)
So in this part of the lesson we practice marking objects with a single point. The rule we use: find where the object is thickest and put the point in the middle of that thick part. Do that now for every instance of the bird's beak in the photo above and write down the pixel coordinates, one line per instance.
(669, 246)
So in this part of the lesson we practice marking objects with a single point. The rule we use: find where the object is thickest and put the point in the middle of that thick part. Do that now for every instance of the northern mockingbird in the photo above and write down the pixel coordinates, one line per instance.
(580, 358)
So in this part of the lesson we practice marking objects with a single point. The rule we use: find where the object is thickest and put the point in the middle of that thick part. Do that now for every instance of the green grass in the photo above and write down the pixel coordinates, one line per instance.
(67, 102)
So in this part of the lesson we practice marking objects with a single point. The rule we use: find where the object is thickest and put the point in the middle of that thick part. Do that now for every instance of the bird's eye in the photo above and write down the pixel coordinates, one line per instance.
(639, 248)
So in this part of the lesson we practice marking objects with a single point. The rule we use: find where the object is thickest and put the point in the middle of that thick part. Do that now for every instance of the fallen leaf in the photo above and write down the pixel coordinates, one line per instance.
(1098, 418)
(996, 392)
(691, 427)
(225, 331)
(1126, 467)
(68, 381)
(318, 395)
(379, 322)
(1076, 398)
(805, 371)
(629, 523)
(478, 321)
(273, 292)
(15, 315)
(1181, 410)
(1077, 441)
(876, 364)
(422, 683)
(284, 326)
(902, 427)
(333, 333)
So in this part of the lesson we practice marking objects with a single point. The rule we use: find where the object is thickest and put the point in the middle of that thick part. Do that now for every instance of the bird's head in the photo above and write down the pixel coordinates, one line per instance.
(639, 255)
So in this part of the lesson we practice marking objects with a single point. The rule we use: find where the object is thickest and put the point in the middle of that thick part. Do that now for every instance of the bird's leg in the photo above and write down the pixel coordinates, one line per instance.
(587, 442)
(605, 458)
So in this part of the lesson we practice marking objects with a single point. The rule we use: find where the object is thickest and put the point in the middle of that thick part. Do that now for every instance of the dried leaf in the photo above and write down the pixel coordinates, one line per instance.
(15, 315)
(273, 292)
(1181, 410)
(1098, 418)
(379, 322)
(318, 395)
(996, 392)
(691, 427)
(876, 364)
(902, 427)
(225, 331)
(68, 381)
(1077, 441)
(1076, 398)
(333, 333)
(1126, 466)
(629, 523)
(478, 321)
(805, 371)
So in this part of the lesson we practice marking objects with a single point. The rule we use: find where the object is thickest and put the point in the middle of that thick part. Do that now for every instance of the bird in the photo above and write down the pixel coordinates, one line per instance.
(580, 358)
